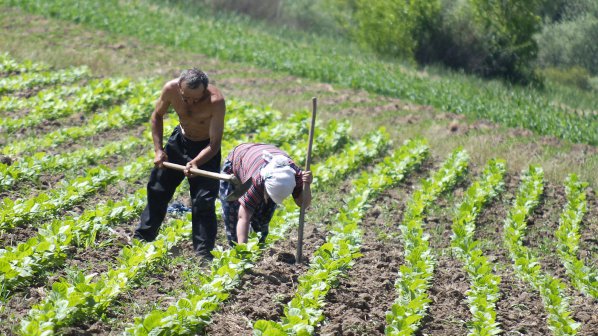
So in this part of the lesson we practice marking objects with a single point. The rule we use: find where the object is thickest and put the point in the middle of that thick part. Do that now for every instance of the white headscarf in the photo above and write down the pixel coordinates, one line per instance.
(279, 177)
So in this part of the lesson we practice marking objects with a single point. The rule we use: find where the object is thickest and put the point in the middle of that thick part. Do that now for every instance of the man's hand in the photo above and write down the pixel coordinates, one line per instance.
(307, 177)
(159, 158)
(190, 164)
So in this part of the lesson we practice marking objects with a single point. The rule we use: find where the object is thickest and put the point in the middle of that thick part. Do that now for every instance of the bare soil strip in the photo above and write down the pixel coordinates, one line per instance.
(449, 310)
(97, 139)
(588, 245)
(359, 304)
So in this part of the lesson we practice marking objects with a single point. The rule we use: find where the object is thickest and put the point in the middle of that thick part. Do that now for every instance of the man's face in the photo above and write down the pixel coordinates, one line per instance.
(192, 96)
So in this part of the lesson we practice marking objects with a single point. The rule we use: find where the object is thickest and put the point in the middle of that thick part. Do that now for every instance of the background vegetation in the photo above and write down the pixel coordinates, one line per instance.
(189, 26)
(521, 41)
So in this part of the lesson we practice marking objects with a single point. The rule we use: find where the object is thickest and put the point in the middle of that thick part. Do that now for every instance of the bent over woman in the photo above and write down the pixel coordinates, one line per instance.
(274, 177)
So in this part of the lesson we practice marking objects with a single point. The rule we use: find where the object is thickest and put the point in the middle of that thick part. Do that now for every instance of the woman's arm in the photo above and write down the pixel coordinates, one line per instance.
(307, 179)
(243, 224)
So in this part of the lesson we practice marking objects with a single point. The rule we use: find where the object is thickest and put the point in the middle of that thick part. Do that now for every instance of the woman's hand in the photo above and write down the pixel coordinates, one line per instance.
(307, 177)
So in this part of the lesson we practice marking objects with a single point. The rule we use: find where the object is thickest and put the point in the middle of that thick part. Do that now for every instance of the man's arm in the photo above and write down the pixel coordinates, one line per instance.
(216, 131)
(157, 125)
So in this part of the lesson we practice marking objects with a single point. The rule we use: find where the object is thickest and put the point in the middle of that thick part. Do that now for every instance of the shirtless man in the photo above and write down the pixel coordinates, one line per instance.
(195, 143)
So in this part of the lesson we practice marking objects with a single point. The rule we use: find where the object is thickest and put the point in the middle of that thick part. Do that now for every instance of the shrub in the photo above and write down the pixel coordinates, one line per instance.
(570, 43)
(575, 76)
(396, 28)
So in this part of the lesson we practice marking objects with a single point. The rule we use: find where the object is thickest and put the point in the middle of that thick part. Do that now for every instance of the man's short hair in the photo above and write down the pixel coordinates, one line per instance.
(194, 78)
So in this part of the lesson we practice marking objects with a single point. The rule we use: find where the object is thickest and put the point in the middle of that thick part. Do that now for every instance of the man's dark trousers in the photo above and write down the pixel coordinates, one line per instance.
(203, 190)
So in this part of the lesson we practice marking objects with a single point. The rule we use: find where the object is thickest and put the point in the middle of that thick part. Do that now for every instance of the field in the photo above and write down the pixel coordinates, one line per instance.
(444, 205)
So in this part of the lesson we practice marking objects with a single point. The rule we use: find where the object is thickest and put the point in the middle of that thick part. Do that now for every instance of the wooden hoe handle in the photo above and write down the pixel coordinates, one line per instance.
(199, 172)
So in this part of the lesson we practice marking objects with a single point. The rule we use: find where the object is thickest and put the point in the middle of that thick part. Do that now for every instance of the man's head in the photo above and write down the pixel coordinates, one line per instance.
(193, 84)
(279, 178)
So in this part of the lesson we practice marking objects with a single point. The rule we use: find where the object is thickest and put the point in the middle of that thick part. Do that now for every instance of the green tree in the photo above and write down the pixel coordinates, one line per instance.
(391, 27)
(507, 28)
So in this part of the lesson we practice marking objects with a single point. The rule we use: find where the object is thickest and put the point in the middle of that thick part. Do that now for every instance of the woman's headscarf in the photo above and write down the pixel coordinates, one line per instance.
(279, 177)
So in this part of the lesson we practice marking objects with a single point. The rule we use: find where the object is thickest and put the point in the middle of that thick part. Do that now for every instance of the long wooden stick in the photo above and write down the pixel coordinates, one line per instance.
(307, 165)
(200, 172)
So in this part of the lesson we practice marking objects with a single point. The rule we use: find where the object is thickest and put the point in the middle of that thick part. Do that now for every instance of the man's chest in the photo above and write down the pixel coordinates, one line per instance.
(195, 113)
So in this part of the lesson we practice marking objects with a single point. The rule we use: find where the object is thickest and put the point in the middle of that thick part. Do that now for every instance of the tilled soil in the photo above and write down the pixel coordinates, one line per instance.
(449, 309)
(359, 304)
(269, 285)
(520, 309)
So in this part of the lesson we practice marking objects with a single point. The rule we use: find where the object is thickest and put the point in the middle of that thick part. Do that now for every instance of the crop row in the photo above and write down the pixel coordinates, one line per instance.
(130, 113)
(484, 292)
(20, 264)
(14, 213)
(82, 297)
(29, 80)
(584, 278)
(29, 167)
(9, 65)
(415, 275)
(526, 264)
(85, 101)
(12, 103)
(342, 246)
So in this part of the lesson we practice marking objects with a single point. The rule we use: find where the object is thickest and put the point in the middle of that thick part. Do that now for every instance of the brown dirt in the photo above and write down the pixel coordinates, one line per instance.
(449, 308)
(268, 286)
(16, 307)
(588, 244)
(359, 304)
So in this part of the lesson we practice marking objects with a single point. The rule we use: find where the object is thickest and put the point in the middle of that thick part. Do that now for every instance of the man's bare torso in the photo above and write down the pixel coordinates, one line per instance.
(194, 118)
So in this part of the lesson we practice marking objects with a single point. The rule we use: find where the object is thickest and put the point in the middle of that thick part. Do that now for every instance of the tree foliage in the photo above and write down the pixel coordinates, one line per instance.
(488, 37)
(390, 27)
(570, 41)
(507, 28)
